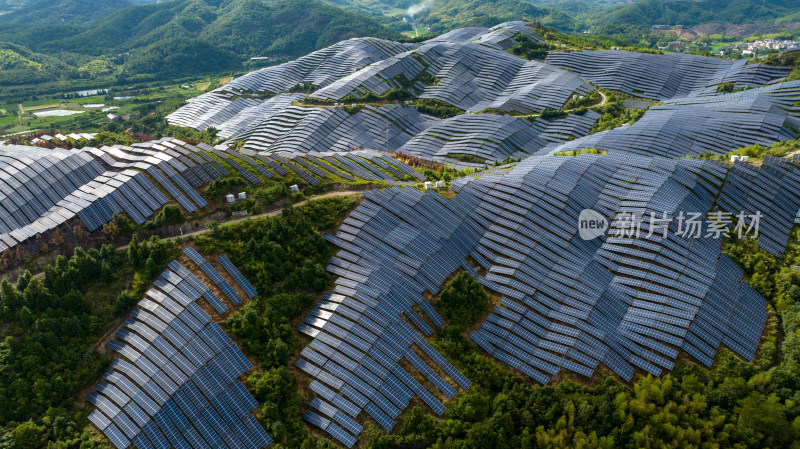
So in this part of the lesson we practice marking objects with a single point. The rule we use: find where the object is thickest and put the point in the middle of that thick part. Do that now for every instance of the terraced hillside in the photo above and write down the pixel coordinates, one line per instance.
(631, 303)
(491, 104)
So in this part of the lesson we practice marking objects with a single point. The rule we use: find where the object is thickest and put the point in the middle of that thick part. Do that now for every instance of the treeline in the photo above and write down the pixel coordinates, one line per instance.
(645, 13)
(446, 15)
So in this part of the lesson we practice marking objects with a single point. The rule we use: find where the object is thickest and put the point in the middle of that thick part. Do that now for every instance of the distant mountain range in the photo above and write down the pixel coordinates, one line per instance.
(443, 15)
(189, 37)
(62, 11)
(184, 38)
(446, 14)
(47, 40)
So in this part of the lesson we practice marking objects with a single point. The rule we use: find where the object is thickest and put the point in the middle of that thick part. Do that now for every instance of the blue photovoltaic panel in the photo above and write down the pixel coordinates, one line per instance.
(209, 295)
(213, 274)
(237, 276)
(176, 391)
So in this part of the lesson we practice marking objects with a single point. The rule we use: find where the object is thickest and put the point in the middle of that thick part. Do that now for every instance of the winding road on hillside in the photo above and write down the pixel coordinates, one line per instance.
(265, 214)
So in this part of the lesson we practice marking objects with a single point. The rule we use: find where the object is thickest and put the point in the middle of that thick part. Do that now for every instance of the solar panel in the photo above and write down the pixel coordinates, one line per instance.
(213, 274)
(176, 389)
(237, 276)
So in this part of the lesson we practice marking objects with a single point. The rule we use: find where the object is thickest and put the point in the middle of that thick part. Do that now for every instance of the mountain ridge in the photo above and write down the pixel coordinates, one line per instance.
(190, 37)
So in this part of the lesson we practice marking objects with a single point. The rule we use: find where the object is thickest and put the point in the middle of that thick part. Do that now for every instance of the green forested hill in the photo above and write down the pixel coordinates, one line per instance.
(84, 7)
(444, 15)
(689, 12)
(20, 65)
(11, 4)
(448, 14)
(246, 27)
(59, 11)
(189, 37)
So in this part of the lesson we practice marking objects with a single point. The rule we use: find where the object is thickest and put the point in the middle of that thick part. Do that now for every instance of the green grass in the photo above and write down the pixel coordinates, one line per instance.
(7, 120)
(418, 31)
(714, 46)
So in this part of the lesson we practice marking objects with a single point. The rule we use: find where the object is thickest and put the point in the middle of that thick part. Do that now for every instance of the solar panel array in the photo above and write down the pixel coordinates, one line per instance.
(199, 287)
(664, 76)
(297, 130)
(770, 189)
(469, 75)
(502, 36)
(470, 68)
(631, 304)
(213, 274)
(473, 78)
(236, 117)
(494, 137)
(42, 189)
(244, 284)
(628, 303)
(696, 126)
(361, 339)
(368, 165)
(174, 383)
(320, 68)
(473, 69)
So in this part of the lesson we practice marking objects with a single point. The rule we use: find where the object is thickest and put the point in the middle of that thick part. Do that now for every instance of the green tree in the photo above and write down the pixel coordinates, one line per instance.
(462, 300)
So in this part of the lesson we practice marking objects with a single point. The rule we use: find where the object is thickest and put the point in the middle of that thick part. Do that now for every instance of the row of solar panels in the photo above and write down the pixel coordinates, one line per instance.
(233, 109)
(175, 381)
(42, 189)
(94, 203)
(488, 137)
(664, 76)
(698, 126)
(51, 187)
(474, 72)
(470, 75)
(716, 124)
(637, 336)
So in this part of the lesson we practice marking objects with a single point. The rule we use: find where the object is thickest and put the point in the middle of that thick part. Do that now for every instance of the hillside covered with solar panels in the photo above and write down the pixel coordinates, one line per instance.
(634, 306)
(438, 287)
(374, 93)
(47, 190)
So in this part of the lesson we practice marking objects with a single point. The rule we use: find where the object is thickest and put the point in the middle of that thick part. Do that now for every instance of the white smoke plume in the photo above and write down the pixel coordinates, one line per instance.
(418, 8)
